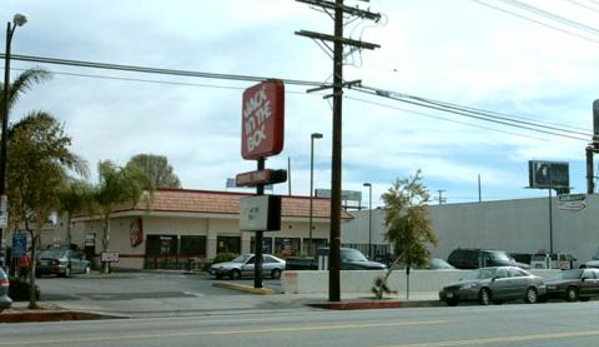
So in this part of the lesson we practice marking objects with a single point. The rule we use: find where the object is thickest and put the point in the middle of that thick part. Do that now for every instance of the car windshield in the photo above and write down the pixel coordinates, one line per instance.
(437, 263)
(501, 257)
(479, 274)
(353, 255)
(241, 259)
(568, 275)
(52, 253)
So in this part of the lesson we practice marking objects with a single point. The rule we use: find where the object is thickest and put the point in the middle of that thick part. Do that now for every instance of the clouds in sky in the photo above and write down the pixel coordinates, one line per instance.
(456, 51)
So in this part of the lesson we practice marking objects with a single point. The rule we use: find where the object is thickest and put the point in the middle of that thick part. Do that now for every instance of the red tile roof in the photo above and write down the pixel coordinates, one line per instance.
(213, 202)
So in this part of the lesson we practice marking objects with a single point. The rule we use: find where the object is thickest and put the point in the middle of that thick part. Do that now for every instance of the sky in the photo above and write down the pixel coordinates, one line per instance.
(488, 54)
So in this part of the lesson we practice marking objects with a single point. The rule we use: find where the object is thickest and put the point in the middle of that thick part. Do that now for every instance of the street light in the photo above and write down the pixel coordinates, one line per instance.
(312, 138)
(18, 20)
(369, 219)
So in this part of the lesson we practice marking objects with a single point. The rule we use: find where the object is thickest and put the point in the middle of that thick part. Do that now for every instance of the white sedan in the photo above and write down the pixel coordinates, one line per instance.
(243, 266)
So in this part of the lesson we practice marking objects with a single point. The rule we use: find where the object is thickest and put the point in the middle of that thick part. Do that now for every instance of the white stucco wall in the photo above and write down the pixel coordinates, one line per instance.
(519, 226)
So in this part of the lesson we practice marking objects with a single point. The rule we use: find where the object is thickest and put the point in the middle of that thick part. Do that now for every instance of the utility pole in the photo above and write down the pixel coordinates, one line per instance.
(337, 10)
(441, 199)
(592, 148)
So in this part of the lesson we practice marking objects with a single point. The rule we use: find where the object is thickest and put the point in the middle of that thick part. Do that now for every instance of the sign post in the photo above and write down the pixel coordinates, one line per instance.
(262, 135)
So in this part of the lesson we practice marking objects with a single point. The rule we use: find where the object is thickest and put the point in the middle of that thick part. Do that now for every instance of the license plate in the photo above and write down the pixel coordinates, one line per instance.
(449, 295)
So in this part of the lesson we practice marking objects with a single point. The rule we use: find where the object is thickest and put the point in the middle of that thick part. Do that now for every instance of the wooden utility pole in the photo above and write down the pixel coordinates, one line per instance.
(339, 10)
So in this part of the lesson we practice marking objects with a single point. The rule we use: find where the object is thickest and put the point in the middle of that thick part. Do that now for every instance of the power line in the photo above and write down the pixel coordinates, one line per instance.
(571, 33)
(415, 100)
(445, 119)
(150, 81)
(141, 69)
(551, 15)
(475, 115)
(582, 5)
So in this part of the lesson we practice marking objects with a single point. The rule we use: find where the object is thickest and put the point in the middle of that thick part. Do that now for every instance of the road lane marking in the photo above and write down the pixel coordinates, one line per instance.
(46, 341)
(504, 339)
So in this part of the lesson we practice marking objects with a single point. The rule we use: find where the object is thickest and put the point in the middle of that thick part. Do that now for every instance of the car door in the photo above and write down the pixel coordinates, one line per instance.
(519, 283)
(76, 259)
(588, 284)
(500, 285)
(268, 264)
(247, 269)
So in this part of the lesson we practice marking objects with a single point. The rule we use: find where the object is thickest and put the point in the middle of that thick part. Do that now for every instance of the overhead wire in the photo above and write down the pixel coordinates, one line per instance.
(466, 113)
(479, 114)
(550, 15)
(443, 118)
(578, 3)
(564, 31)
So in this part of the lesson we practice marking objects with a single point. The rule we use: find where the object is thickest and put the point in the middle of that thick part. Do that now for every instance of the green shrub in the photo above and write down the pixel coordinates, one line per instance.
(19, 290)
(224, 257)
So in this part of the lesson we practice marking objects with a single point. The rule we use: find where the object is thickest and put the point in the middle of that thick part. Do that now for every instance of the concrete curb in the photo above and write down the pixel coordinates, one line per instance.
(243, 288)
(359, 304)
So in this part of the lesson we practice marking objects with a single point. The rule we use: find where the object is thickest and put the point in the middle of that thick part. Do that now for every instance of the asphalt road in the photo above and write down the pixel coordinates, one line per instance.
(556, 324)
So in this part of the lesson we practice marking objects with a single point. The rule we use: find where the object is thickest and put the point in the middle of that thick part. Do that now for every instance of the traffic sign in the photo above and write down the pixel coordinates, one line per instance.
(19, 245)
(572, 202)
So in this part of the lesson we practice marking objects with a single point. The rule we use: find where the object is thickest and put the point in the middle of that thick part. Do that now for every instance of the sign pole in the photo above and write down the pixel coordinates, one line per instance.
(258, 239)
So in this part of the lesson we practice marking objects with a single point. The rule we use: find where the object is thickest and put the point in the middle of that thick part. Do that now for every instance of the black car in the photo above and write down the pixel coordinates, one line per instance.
(350, 259)
(474, 258)
(61, 262)
(574, 285)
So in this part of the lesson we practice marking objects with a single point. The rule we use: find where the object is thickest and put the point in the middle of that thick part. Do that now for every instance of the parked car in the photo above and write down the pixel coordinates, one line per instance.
(523, 258)
(474, 258)
(243, 266)
(5, 301)
(494, 284)
(433, 264)
(350, 259)
(574, 285)
(552, 261)
(591, 264)
(61, 262)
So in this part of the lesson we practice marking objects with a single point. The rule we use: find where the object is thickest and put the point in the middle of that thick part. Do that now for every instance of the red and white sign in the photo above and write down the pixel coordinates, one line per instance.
(262, 123)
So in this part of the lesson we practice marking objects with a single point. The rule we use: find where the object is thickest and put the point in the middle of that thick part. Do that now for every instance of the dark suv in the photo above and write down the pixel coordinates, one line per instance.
(474, 258)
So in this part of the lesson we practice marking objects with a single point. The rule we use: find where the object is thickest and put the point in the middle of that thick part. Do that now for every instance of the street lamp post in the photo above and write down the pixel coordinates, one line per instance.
(369, 185)
(18, 20)
(312, 138)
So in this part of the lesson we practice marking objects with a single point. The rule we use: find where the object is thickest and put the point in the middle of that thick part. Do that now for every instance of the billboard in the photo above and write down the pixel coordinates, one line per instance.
(262, 123)
(548, 174)
(346, 195)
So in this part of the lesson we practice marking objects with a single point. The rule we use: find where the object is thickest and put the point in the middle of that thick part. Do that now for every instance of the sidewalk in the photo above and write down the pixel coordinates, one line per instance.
(225, 304)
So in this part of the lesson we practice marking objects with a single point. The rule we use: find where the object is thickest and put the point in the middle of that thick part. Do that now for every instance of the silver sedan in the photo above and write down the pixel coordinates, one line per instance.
(243, 266)
(494, 284)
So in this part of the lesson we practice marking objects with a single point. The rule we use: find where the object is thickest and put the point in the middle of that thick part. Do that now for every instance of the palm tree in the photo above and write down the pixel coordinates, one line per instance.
(23, 83)
(75, 196)
(118, 186)
(39, 166)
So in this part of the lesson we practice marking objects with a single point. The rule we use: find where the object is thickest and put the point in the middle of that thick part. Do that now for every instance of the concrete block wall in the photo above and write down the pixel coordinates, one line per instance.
(313, 282)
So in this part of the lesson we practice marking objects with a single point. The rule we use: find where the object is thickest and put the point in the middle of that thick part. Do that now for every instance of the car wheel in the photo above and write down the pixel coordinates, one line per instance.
(585, 298)
(235, 274)
(531, 295)
(572, 294)
(451, 302)
(484, 297)
(275, 274)
(219, 276)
